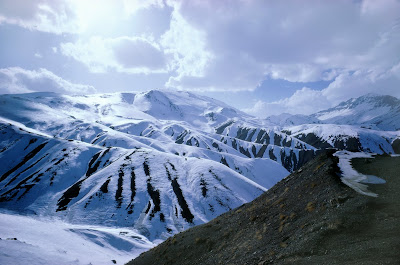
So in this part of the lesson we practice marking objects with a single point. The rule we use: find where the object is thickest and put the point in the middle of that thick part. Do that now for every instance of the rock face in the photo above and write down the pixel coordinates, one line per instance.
(396, 146)
(310, 217)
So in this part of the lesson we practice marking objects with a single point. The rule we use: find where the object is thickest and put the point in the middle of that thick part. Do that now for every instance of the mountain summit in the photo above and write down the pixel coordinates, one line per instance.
(375, 111)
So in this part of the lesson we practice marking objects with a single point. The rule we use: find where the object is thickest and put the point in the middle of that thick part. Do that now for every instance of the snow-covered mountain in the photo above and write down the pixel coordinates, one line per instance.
(154, 161)
(346, 137)
(370, 123)
(370, 111)
(152, 191)
(163, 161)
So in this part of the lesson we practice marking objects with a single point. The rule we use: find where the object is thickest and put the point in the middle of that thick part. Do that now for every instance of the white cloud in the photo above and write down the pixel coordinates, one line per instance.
(186, 49)
(131, 6)
(56, 16)
(290, 40)
(70, 16)
(297, 72)
(19, 80)
(123, 54)
(193, 64)
(38, 55)
(348, 85)
(304, 101)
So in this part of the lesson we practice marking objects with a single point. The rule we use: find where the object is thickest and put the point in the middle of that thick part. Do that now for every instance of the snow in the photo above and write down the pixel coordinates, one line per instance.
(227, 187)
(52, 241)
(22, 126)
(354, 179)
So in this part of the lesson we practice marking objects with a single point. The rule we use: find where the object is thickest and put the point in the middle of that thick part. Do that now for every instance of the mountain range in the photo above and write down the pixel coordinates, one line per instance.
(161, 162)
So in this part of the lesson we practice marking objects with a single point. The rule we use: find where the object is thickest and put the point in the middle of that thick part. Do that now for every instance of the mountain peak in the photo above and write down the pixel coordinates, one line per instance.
(375, 99)
(379, 111)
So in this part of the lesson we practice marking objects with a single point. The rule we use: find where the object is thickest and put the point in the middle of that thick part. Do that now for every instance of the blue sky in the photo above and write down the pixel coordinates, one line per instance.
(264, 57)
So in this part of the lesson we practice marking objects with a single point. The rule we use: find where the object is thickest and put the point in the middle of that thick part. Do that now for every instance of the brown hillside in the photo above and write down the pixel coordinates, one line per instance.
(310, 217)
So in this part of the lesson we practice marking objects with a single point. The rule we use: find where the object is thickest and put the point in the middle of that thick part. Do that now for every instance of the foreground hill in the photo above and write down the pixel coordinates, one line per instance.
(310, 217)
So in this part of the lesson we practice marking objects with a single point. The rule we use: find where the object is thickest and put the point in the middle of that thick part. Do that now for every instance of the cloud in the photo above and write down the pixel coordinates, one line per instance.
(351, 85)
(292, 40)
(185, 48)
(304, 101)
(70, 16)
(122, 54)
(56, 16)
(17, 80)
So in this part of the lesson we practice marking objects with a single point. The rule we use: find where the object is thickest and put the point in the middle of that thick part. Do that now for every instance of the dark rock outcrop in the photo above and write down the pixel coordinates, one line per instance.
(396, 146)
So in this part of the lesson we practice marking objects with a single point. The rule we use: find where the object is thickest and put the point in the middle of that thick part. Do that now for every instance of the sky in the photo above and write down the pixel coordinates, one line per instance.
(263, 57)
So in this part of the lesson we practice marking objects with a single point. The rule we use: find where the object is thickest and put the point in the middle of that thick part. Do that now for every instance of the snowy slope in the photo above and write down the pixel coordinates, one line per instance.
(55, 242)
(156, 192)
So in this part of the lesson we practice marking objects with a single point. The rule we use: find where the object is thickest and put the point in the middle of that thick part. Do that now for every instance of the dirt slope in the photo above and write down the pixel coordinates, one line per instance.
(310, 217)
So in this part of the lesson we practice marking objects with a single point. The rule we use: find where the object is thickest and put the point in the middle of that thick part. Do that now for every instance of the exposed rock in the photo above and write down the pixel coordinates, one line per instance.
(396, 146)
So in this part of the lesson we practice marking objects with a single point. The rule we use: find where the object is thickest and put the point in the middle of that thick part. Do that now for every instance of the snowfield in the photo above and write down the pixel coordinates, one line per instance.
(39, 240)
(354, 179)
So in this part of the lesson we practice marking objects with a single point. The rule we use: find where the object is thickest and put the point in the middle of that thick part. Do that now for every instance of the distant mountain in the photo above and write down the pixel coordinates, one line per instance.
(370, 123)
(346, 137)
(370, 111)
(286, 119)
